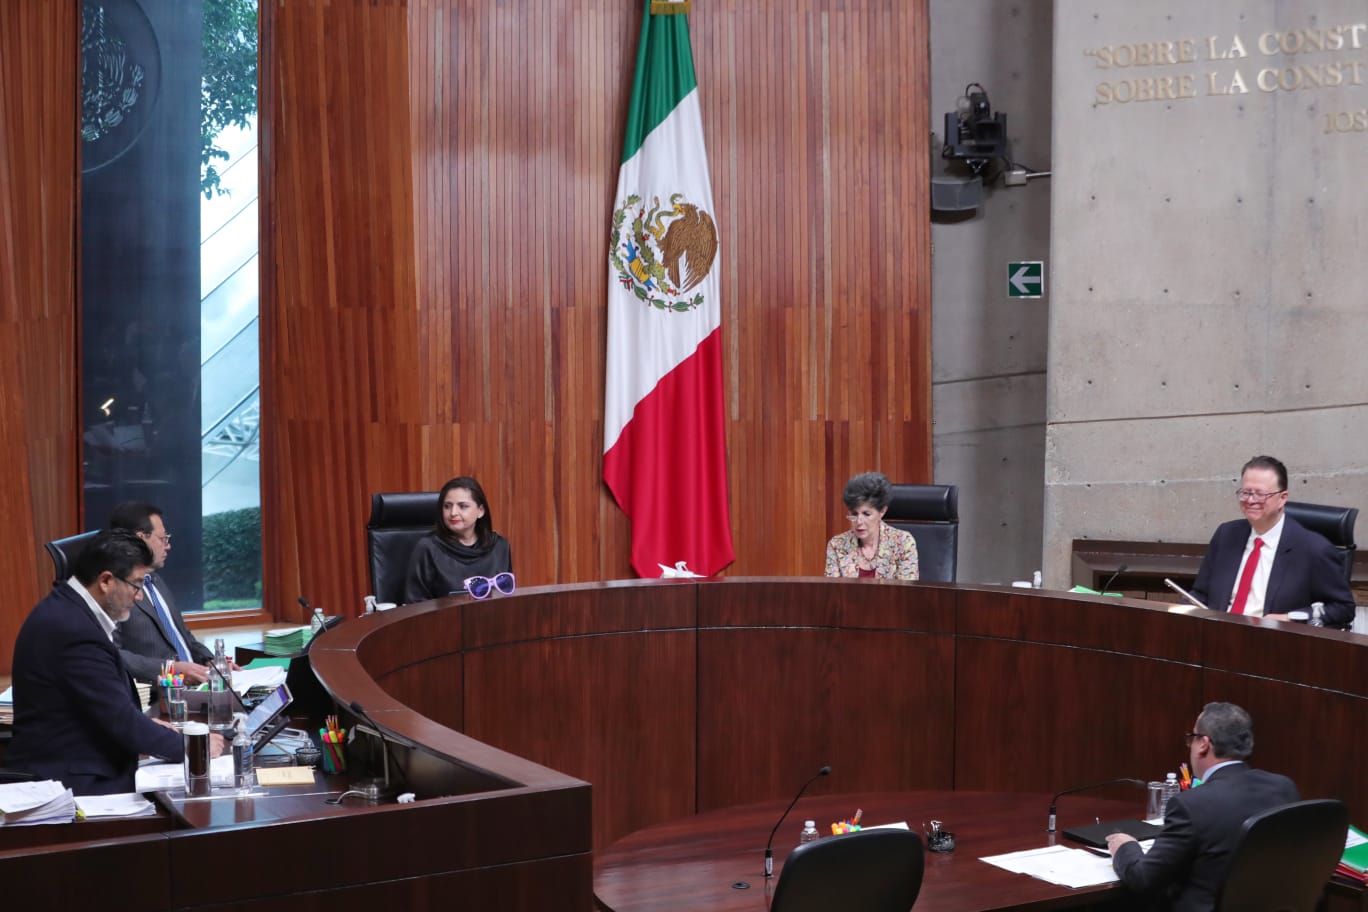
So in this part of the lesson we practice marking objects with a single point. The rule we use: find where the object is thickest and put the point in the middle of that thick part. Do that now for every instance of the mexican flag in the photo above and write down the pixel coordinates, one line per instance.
(664, 442)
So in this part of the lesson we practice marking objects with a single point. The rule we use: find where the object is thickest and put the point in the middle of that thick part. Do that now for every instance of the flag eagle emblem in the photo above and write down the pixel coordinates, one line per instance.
(665, 252)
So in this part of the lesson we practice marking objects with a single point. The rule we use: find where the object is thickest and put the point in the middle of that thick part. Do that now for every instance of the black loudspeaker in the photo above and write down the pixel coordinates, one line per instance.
(956, 194)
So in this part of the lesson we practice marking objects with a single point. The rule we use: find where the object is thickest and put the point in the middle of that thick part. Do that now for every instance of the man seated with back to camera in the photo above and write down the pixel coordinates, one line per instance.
(76, 712)
(1187, 865)
(1269, 564)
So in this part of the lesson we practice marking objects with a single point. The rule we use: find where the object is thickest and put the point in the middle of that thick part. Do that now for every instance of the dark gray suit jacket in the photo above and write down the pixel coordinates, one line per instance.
(1188, 862)
(144, 645)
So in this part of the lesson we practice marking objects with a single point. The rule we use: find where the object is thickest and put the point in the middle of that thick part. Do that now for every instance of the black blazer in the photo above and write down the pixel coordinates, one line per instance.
(76, 714)
(1189, 860)
(145, 645)
(1306, 569)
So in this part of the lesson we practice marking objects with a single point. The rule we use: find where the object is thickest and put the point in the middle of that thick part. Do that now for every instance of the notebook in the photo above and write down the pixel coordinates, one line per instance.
(1095, 834)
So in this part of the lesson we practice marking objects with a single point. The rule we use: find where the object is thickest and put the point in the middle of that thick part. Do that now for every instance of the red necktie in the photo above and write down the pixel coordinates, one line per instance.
(1246, 578)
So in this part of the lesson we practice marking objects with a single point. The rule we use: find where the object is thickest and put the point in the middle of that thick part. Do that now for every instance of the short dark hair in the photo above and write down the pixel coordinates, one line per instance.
(117, 550)
(1230, 729)
(135, 516)
(1267, 462)
(868, 487)
(484, 526)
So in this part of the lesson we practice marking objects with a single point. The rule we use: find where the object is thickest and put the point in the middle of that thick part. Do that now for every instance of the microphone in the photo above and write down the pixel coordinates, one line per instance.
(356, 708)
(1111, 579)
(769, 846)
(1085, 788)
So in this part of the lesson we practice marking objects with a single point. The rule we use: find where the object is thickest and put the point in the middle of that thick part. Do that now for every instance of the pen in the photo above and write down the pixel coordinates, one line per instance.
(859, 812)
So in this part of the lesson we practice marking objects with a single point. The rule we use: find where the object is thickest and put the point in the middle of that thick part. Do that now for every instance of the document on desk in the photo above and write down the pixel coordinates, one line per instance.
(158, 777)
(47, 801)
(272, 676)
(129, 804)
(1061, 865)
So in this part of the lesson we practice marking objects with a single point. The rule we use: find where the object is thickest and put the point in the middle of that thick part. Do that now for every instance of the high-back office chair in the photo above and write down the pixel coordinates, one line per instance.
(931, 514)
(871, 870)
(64, 552)
(1284, 856)
(1335, 523)
(397, 522)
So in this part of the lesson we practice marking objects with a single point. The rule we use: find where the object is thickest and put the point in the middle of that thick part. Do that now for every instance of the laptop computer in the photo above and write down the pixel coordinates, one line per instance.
(268, 717)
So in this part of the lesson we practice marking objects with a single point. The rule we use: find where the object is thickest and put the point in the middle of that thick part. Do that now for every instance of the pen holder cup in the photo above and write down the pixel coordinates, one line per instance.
(334, 757)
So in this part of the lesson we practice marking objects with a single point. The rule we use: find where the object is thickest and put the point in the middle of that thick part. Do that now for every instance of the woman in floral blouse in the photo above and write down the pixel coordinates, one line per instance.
(871, 548)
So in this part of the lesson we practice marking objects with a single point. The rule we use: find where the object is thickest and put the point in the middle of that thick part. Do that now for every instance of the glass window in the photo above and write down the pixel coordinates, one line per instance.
(169, 288)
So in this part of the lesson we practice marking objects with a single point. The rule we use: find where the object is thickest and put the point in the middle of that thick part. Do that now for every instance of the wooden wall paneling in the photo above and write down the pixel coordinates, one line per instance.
(39, 435)
(598, 683)
(46, 878)
(1042, 718)
(1314, 735)
(482, 146)
(796, 675)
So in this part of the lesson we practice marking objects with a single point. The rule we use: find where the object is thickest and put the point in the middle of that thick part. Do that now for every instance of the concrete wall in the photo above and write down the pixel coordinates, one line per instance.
(989, 353)
(1210, 260)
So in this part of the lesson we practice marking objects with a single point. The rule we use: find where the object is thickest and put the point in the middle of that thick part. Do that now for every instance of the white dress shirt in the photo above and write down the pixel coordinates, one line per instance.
(1258, 587)
(105, 621)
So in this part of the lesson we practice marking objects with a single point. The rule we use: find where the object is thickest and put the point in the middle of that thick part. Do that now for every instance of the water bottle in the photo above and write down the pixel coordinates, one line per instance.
(220, 696)
(244, 776)
(1171, 789)
(809, 833)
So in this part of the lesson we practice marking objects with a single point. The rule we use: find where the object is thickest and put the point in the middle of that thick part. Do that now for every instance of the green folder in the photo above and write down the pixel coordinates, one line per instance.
(1357, 857)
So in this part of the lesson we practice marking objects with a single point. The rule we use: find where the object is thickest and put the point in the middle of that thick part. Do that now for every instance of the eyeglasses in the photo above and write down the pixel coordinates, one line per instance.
(1247, 496)
(856, 517)
(480, 586)
(1189, 737)
(137, 587)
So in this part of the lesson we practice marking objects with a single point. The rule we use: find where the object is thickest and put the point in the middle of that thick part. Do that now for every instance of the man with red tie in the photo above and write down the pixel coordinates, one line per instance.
(1267, 564)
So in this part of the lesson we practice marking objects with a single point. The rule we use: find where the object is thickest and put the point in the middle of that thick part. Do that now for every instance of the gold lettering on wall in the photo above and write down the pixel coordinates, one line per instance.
(1291, 60)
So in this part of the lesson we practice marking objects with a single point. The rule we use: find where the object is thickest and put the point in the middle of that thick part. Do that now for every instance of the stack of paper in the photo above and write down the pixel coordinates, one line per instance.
(126, 805)
(23, 803)
(286, 640)
(268, 677)
(158, 777)
(7, 706)
(144, 694)
(1354, 864)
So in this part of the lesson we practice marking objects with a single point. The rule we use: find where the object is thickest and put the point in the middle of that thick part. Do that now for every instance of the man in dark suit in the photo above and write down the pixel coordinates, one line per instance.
(76, 714)
(1269, 564)
(1188, 862)
(155, 631)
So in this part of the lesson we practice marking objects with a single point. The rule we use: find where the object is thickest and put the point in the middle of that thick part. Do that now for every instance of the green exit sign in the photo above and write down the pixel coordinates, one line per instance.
(1026, 279)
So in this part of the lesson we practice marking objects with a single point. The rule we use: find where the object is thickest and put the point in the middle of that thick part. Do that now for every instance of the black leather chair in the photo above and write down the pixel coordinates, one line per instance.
(1335, 523)
(931, 514)
(1284, 856)
(64, 552)
(872, 870)
(397, 521)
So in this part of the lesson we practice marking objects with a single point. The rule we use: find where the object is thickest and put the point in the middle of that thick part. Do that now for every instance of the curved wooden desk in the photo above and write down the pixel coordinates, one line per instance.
(696, 863)
(681, 697)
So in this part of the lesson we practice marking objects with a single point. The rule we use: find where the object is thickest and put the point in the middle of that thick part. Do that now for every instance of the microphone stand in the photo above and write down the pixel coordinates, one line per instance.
(769, 846)
(1050, 828)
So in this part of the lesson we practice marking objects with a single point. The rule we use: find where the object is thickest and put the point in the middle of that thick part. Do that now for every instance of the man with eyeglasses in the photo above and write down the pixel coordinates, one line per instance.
(1269, 564)
(155, 631)
(76, 713)
(1190, 857)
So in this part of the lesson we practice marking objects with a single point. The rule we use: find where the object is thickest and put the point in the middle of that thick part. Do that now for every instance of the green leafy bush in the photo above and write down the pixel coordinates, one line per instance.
(232, 555)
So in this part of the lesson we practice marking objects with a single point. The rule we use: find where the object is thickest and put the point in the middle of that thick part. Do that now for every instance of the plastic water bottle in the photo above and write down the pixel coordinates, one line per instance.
(1171, 788)
(220, 698)
(809, 833)
(244, 774)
